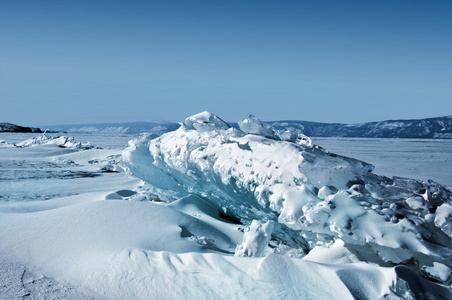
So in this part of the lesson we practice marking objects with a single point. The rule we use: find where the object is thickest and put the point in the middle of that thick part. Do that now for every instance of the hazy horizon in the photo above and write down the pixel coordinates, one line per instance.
(77, 62)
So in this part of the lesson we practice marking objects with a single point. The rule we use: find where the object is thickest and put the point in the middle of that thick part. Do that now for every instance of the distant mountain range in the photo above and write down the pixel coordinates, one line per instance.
(117, 128)
(436, 128)
(8, 127)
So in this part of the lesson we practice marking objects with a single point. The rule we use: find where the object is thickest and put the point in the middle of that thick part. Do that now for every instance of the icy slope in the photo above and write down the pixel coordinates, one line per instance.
(304, 189)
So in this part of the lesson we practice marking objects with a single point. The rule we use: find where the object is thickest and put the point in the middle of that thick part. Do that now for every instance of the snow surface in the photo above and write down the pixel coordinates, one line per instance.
(209, 211)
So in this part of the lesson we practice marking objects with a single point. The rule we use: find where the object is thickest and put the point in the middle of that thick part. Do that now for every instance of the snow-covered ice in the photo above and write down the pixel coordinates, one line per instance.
(210, 211)
(255, 239)
(412, 158)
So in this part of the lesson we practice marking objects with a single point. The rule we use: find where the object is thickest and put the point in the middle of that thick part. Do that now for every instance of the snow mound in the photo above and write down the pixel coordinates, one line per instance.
(313, 197)
(255, 239)
(5, 144)
(61, 141)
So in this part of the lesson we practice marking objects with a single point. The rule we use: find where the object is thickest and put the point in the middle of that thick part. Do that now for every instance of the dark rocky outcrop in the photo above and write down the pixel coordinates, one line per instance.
(8, 127)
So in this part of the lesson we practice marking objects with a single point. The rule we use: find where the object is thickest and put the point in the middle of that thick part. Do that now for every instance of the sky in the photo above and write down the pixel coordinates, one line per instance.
(68, 62)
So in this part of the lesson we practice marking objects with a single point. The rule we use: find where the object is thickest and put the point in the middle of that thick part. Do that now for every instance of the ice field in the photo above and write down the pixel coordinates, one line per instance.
(413, 158)
(209, 211)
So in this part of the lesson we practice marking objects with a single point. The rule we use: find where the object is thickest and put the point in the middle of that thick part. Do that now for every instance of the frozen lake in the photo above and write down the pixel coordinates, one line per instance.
(97, 219)
(413, 158)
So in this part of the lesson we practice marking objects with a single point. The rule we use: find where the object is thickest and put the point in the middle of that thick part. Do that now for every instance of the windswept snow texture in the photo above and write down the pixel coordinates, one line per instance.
(219, 213)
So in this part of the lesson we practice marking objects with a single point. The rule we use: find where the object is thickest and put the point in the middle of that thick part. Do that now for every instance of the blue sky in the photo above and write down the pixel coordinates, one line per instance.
(65, 62)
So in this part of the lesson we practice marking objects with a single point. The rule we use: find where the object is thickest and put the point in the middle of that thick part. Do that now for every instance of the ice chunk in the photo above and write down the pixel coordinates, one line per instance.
(255, 239)
(253, 125)
(34, 141)
(205, 121)
(5, 144)
(326, 191)
(438, 272)
(416, 202)
(443, 218)
(295, 136)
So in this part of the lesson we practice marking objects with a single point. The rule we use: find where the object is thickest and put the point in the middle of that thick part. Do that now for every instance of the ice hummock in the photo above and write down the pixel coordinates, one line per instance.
(61, 141)
(313, 197)
(205, 121)
(255, 239)
(253, 125)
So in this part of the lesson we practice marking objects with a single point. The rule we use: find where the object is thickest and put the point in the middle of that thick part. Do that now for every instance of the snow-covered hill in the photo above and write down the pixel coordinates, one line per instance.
(440, 127)
(8, 127)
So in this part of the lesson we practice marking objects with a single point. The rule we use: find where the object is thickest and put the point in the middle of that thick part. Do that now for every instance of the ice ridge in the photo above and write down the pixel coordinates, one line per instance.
(314, 197)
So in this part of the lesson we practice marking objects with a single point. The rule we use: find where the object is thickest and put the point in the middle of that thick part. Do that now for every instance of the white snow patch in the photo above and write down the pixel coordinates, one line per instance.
(255, 239)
